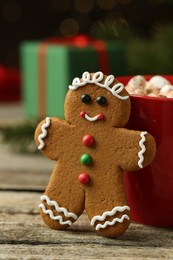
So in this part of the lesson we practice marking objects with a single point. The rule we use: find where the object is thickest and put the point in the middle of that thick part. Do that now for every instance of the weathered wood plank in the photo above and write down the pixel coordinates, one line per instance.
(24, 171)
(14, 202)
(17, 162)
(16, 209)
(10, 219)
(37, 233)
(24, 180)
(24, 233)
(82, 251)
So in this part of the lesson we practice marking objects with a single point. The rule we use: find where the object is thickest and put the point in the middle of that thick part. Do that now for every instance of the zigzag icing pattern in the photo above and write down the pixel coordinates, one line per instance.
(96, 79)
(111, 223)
(58, 208)
(44, 133)
(51, 215)
(143, 149)
(109, 213)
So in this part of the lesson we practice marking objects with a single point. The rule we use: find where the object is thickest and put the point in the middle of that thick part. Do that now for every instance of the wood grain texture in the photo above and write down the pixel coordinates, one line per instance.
(23, 234)
(22, 180)
(76, 251)
(24, 171)
(35, 232)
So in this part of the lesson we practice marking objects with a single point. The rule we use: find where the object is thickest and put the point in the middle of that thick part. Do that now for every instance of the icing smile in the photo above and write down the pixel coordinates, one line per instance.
(91, 119)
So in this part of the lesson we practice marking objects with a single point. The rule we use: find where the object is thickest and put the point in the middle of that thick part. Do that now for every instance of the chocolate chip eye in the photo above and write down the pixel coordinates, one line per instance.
(101, 100)
(86, 98)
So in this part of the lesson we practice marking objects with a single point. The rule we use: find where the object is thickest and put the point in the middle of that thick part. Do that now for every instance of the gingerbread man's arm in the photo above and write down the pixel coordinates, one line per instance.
(136, 150)
(50, 136)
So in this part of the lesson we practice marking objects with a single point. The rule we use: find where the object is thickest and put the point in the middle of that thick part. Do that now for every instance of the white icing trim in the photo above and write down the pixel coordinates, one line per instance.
(51, 215)
(143, 149)
(109, 213)
(111, 223)
(44, 133)
(97, 77)
(57, 207)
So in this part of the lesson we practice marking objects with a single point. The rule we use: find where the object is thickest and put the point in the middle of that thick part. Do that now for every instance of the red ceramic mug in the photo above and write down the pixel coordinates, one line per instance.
(150, 190)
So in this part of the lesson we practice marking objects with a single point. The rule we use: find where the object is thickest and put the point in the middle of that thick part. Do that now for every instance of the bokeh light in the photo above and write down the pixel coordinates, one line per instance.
(12, 12)
(69, 27)
(84, 6)
(107, 4)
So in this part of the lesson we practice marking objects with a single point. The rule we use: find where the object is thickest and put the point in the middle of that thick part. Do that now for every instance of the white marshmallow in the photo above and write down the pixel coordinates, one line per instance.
(158, 81)
(137, 82)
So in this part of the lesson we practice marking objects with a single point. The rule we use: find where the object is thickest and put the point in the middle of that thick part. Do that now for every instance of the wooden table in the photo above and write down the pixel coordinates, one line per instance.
(23, 235)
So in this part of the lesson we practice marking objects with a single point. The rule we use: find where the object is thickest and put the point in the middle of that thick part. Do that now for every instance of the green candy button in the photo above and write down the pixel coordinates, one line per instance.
(85, 159)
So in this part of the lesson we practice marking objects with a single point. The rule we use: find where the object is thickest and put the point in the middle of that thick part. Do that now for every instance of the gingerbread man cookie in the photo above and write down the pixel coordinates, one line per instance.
(92, 149)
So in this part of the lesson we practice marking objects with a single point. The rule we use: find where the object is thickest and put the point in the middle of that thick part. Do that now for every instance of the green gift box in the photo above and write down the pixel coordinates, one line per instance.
(49, 67)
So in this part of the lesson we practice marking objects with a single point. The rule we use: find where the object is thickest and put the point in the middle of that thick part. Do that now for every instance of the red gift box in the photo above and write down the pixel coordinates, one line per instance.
(9, 84)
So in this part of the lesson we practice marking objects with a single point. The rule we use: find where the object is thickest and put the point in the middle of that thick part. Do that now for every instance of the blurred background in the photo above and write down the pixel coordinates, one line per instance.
(42, 38)
(36, 20)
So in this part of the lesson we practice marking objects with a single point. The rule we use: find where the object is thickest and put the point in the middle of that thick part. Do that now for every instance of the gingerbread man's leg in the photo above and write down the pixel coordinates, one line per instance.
(62, 202)
(107, 208)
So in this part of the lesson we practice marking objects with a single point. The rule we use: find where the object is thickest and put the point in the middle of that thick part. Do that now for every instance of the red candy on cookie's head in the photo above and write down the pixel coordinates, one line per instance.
(97, 99)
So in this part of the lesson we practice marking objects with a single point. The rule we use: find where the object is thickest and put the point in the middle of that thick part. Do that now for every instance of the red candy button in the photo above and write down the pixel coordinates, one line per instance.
(88, 140)
(100, 116)
(82, 114)
(84, 178)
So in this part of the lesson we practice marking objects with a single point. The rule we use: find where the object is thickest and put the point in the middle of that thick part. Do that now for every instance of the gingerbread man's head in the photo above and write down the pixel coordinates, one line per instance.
(109, 102)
